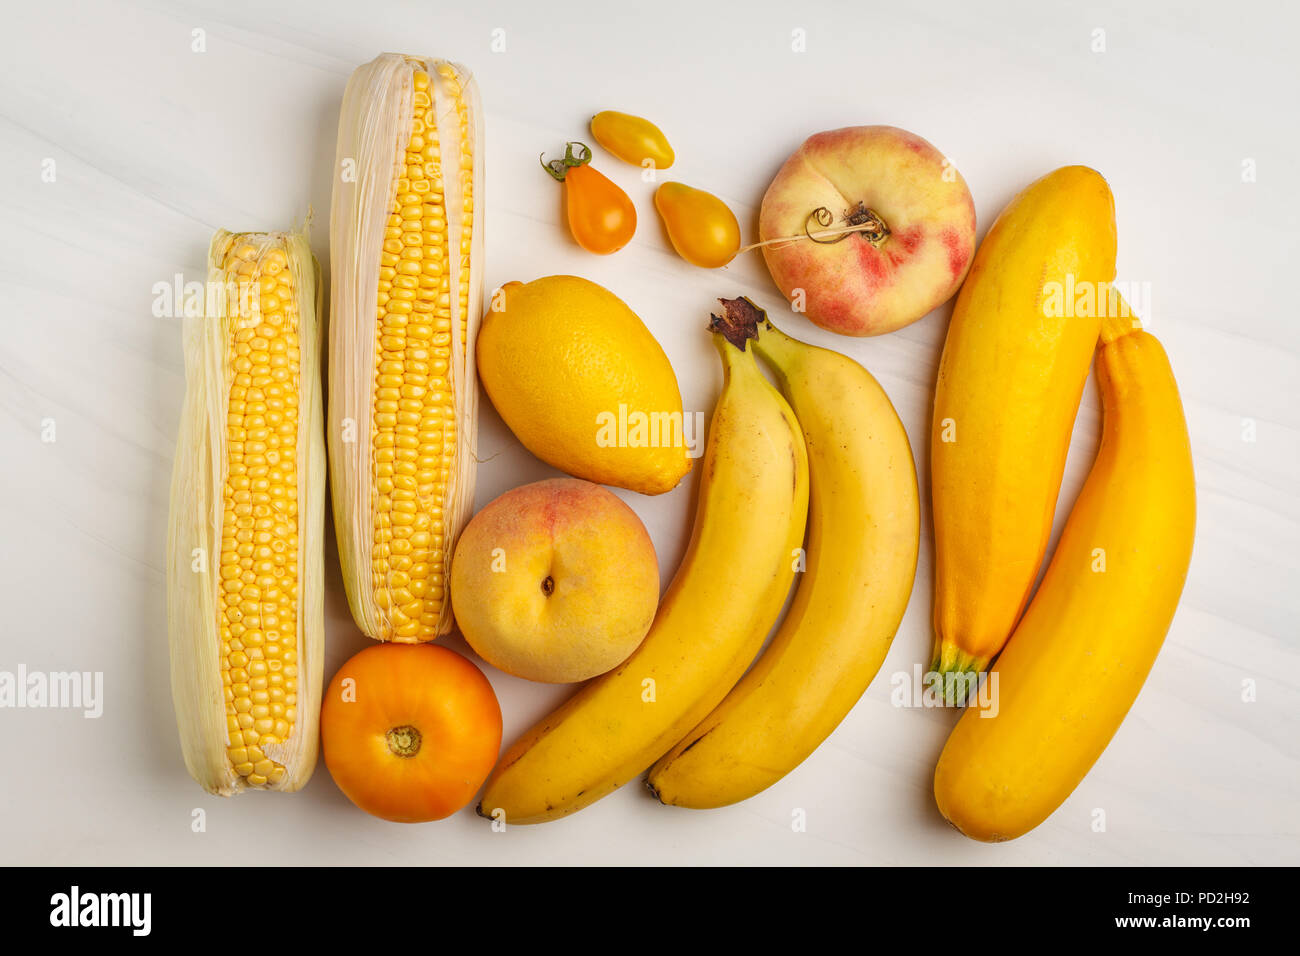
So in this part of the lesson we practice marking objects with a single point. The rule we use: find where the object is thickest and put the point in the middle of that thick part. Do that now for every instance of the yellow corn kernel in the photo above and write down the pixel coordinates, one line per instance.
(248, 459)
(279, 447)
(421, 380)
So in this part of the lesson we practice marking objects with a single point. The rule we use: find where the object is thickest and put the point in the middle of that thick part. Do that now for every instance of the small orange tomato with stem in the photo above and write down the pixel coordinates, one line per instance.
(703, 230)
(601, 216)
(410, 731)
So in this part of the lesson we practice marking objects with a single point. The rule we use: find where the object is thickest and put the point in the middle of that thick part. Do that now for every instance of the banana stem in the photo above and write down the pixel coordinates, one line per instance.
(736, 359)
(737, 324)
(743, 320)
(775, 346)
(730, 338)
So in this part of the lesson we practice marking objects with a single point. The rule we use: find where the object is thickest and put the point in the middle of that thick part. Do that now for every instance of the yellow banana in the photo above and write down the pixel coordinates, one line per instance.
(1083, 650)
(720, 606)
(1022, 336)
(863, 533)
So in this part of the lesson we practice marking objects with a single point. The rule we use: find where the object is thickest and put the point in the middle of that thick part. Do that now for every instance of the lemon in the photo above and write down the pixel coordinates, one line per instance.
(583, 384)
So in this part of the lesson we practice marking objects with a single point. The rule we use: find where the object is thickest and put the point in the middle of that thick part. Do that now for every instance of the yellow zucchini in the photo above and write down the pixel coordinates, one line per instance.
(1078, 659)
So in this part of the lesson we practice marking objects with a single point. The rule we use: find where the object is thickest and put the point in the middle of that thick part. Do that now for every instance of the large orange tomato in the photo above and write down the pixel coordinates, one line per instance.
(601, 216)
(410, 731)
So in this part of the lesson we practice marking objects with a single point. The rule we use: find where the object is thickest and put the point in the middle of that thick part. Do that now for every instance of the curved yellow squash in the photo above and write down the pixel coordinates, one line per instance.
(1021, 338)
(1078, 659)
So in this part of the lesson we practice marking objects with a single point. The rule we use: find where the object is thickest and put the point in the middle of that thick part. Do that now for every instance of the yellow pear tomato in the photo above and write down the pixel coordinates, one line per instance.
(703, 230)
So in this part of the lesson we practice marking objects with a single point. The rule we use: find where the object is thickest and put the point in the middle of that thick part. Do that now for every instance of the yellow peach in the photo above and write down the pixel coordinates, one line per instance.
(555, 581)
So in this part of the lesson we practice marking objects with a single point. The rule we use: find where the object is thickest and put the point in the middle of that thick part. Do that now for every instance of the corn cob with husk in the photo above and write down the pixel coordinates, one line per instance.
(406, 234)
(245, 567)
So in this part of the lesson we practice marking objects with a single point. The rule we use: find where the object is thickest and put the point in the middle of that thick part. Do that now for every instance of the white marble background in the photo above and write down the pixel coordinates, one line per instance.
(154, 146)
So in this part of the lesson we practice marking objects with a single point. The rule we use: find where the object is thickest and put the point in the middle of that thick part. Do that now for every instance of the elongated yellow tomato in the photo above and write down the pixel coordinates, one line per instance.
(632, 139)
(702, 229)
(1075, 664)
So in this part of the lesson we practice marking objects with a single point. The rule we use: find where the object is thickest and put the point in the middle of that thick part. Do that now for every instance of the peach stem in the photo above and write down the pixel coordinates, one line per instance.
(820, 234)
